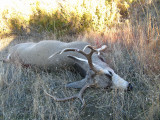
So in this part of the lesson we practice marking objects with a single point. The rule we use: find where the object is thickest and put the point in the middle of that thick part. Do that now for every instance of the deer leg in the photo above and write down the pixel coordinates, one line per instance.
(79, 84)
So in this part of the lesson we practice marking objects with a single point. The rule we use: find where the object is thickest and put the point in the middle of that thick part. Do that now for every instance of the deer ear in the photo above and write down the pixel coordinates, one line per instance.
(102, 57)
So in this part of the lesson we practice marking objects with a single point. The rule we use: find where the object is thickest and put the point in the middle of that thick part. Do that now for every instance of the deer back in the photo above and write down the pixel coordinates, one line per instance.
(38, 53)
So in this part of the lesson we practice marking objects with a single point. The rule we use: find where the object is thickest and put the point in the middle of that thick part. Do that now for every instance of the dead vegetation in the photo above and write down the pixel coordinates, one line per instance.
(22, 95)
(131, 52)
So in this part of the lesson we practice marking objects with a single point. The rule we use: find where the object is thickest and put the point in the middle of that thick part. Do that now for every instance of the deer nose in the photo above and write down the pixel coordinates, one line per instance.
(130, 87)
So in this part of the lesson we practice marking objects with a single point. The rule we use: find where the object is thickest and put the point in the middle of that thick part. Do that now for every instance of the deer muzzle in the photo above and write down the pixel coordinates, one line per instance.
(130, 87)
(120, 83)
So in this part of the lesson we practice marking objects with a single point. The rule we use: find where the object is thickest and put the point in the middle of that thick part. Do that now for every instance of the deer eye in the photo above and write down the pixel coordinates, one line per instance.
(110, 73)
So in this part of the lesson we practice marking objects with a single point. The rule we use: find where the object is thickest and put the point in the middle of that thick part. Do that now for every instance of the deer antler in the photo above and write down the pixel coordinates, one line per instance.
(79, 96)
(87, 55)
(89, 76)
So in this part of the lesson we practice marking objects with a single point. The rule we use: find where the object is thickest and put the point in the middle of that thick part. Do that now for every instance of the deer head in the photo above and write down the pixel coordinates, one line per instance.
(98, 74)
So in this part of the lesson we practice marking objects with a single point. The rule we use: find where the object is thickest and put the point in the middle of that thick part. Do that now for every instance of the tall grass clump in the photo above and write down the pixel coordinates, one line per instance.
(69, 16)
(77, 16)
(14, 16)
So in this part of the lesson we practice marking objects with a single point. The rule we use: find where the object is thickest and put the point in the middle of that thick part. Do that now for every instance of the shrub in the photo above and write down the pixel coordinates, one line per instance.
(65, 16)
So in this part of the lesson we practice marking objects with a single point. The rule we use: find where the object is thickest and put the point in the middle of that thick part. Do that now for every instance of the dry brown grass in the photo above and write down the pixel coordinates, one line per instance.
(22, 95)
(130, 52)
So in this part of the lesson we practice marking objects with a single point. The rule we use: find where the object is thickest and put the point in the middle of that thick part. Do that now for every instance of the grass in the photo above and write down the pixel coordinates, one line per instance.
(22, 95)
(133, 52)
(61, 17)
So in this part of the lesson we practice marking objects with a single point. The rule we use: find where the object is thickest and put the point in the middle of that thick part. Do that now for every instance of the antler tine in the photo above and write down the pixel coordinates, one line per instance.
(64, 50)
(89, 46)
(68, 49)
(79, 96)
(101, 49)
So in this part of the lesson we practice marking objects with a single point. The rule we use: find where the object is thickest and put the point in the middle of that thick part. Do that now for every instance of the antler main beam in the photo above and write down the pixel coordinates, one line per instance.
(79, 96)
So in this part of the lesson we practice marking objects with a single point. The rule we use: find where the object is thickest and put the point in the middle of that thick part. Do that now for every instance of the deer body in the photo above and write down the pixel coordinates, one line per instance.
(55, 54)
(38, 53)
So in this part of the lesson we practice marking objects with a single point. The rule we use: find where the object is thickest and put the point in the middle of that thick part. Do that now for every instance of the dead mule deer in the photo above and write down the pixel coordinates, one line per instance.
(52, 54)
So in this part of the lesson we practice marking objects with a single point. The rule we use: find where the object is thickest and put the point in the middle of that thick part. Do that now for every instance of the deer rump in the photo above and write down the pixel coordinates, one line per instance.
(52, 54)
